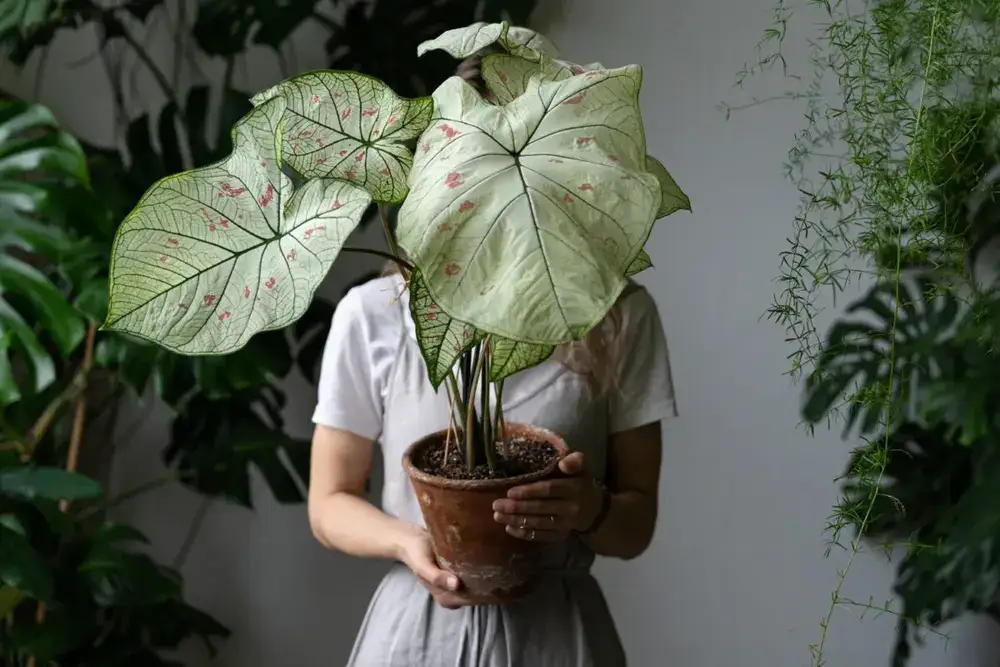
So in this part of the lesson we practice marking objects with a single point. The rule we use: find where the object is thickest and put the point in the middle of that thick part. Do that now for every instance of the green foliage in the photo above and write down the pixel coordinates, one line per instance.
(899, 175)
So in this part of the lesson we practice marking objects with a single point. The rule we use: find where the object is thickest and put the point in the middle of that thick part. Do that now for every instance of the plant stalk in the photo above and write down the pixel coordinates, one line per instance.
(500, 424)
(383, 214)
(76, 435)
(402, 263)
(471, 430)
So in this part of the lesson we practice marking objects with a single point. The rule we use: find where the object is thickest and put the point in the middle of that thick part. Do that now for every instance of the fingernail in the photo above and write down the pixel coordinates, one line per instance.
(496, 505)
(452, 583)
(496, 516)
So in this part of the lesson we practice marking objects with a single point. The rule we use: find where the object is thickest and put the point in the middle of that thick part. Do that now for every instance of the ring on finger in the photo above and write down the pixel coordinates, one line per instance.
(531, 535)
(524, 522)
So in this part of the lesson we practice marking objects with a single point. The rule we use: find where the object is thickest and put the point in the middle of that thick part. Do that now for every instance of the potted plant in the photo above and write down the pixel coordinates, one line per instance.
(521, 219)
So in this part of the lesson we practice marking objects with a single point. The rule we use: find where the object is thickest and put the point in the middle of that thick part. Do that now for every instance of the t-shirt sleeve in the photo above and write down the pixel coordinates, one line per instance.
(351, 375)
(644, 391)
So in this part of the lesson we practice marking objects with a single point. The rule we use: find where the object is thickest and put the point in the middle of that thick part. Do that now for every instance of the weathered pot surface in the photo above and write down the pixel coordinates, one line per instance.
(494, 566)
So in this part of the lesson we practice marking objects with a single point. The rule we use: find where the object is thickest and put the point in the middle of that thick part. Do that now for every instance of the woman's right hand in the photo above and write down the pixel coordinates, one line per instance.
(444, 586)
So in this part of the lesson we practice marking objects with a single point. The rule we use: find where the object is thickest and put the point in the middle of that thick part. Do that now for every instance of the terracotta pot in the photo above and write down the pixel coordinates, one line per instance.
(494, 567)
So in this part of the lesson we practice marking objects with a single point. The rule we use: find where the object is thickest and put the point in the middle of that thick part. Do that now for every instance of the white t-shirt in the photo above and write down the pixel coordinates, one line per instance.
(373, 383)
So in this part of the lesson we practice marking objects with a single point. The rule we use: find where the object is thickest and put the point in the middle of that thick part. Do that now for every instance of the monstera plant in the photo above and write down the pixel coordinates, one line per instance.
(522, 214)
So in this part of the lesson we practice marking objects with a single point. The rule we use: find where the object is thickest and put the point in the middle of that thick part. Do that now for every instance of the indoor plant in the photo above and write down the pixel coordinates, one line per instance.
(897, 168)
(520, 222)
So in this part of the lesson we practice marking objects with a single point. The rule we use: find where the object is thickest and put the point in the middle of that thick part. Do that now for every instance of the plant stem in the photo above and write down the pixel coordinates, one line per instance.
(192, 533)
(501, 427)
(383, 213)
(457, 397)
(471, 430)
(158, 75)
(402, 263)
(76, 435)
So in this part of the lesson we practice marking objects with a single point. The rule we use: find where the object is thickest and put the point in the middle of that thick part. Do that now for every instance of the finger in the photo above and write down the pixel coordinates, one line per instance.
(534, 522)
(550, 507)
(550, 488)
(536, 535)
(433, 576)
(572, 464)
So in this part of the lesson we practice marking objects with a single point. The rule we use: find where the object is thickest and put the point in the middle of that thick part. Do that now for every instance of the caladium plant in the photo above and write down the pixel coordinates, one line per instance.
(523, 213)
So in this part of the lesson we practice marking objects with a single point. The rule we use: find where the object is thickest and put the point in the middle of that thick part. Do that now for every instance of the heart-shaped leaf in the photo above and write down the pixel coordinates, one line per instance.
(507, 75)
(212, 256)
(442, 339)
(511, 356)
(464, 42)
(640, 263)
(523, 218)
(351, 126)
(673, 198)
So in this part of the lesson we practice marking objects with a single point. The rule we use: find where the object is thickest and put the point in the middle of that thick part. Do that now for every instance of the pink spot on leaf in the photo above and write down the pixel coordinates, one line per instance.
(292, 255)
(466, 206)
(452, 269)
(350, 175)
(444, 227)
(584, 141)
(337, 93)
(585, 187)
(424, 147)
(568, 198)
(576, 69)
(173, 242)
(392, 120)
(345, 114)
(304, 134)
(230, 191)
(576, 99)
(370, 112)
(267, 197)
(555, 160)
(359, 157)
(448, 130)
(246, 291)
(320, 160)
(342, 153)
(270, 283)
(384, 171)
(209, 299)
(163, 258)
(454, 180)
(315, 99)
(336, 204)
(612, 158)
(225, 316)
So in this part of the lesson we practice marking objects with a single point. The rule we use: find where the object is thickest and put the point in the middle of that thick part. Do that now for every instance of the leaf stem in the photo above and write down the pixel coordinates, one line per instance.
(383, 214)
(402, 263)
(470, 420)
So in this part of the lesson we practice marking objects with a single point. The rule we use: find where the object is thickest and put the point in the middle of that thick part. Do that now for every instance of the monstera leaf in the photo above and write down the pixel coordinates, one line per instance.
(470, 40)
(37, 163)
(351, 126)
(892, 339)
(210, 257)
(524, 218)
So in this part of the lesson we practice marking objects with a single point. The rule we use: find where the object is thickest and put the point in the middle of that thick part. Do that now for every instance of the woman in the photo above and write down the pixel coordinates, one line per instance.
(605, 395)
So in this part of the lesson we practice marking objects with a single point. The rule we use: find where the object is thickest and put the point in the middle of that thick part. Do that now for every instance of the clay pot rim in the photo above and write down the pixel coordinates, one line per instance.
(545, 434)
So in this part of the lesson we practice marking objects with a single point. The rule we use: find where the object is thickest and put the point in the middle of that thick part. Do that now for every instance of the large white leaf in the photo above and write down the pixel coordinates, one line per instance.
(351, 126)
(470, 40)
(507, 75)
(523, 218)
(212, 256)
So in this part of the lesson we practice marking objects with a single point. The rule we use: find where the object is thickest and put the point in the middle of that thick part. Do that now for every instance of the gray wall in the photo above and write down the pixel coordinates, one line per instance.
(737, 574)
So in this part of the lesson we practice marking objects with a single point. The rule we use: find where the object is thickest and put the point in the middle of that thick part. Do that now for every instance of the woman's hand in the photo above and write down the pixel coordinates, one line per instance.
(548, 511)
(417, 554)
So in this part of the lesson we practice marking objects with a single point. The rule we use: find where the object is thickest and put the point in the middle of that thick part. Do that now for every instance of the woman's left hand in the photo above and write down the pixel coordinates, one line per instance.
(548, 511)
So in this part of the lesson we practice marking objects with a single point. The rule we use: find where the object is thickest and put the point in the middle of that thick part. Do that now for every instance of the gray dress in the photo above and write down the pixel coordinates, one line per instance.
(565, 622)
